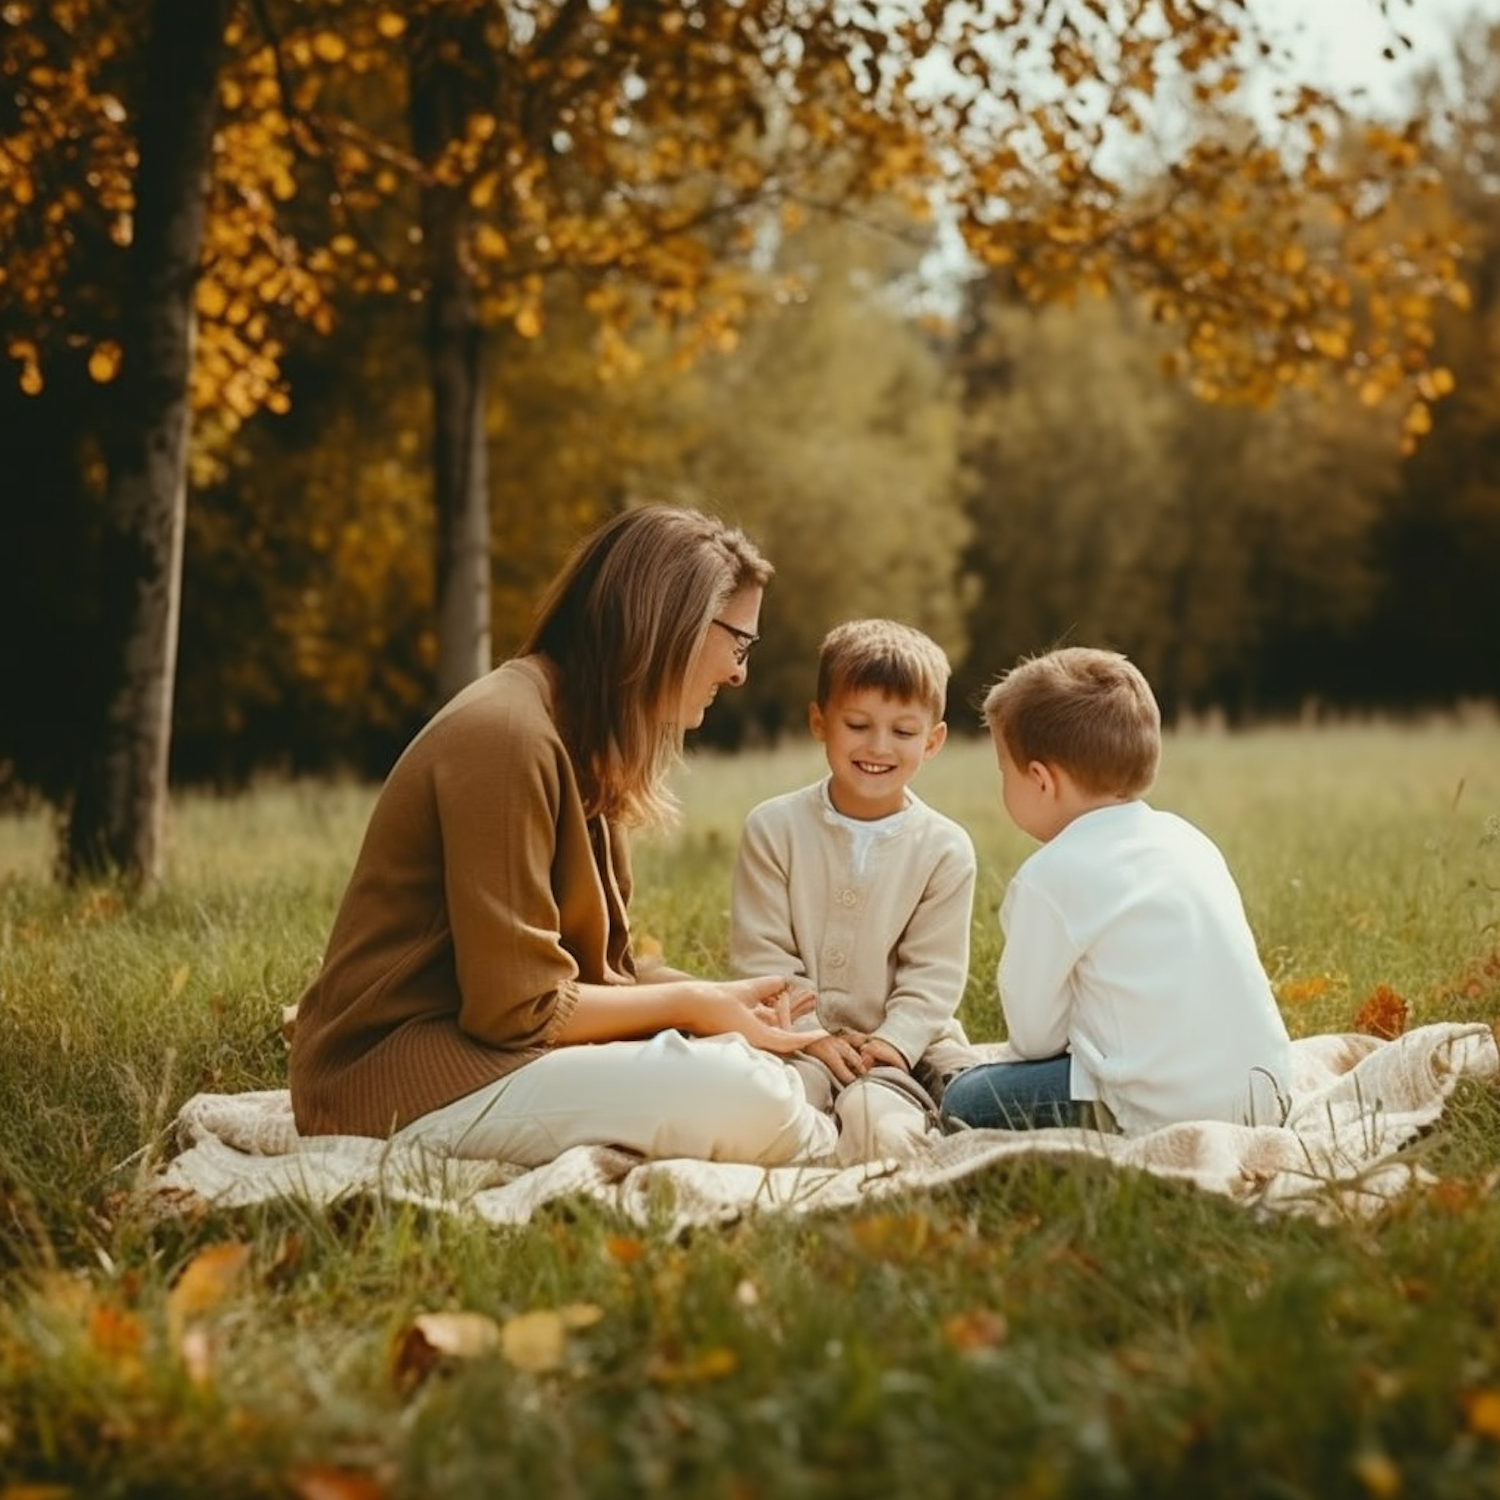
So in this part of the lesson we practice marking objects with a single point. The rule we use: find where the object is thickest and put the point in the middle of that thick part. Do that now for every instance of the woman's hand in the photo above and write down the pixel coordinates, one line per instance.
(760, 1010)
(778, 1002)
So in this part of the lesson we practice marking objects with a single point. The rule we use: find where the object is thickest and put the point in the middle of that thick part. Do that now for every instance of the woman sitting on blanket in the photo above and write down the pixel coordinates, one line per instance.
(479, 992)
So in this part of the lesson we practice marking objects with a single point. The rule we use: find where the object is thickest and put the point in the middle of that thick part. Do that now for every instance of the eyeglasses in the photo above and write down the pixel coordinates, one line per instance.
(743, 640)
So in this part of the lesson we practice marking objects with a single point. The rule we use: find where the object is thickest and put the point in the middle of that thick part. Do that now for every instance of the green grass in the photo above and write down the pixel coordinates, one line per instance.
(1045, 1331)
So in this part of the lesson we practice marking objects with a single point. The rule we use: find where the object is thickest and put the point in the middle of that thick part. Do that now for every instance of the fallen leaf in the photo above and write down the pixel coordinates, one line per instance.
(208, 1279)
(709, 1364)
(433, 1338)
(326, 1482)
(1483, 1411)
(118, 1335)
(536, 1340)
(625, 1249)
(1384, 1014)
(198, 1352)
(1378, 1473)
(970, 1332)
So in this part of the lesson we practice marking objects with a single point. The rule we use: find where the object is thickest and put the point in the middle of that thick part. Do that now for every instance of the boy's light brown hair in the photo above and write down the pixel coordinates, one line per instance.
(1090, 712)
(897, 659)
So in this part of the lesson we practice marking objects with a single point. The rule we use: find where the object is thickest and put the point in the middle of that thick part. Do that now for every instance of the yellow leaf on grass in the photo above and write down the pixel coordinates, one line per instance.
(207, 1281)
(536, 1340)
(432, 1338)
(1483, 1411)
(693, 1369)
(1377, 1473)
(460, 1335)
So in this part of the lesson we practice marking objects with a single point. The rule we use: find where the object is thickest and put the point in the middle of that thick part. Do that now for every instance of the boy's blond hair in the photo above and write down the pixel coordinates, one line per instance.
(897, 659)
(1090, 712)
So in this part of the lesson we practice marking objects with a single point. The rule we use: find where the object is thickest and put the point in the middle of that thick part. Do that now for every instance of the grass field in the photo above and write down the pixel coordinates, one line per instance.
(1045, 1331)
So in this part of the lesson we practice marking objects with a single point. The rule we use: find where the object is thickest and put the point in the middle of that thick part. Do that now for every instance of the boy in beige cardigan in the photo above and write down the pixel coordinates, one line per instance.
(858, 888)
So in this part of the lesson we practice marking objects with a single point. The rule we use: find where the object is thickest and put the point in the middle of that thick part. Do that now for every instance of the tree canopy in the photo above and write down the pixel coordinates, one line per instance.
(594, 194)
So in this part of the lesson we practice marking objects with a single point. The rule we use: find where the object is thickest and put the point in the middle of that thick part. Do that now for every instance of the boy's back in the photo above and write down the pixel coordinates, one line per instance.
(1127, 944)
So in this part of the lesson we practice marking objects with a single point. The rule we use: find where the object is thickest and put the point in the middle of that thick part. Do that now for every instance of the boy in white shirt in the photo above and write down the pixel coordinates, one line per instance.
(857, 887)
(1129, 978)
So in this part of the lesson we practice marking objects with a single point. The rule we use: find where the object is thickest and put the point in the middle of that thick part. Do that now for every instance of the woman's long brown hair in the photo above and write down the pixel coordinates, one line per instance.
(621, 622)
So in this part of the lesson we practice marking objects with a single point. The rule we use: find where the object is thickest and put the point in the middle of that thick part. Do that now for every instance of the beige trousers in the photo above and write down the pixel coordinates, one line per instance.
(711, 1098)
(876, 1122)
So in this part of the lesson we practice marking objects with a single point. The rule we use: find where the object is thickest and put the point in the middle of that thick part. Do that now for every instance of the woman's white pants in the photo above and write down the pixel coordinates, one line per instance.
(713, 1098)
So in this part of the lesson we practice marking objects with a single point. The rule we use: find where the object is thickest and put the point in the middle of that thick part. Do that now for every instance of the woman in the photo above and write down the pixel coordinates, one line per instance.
(478, 992)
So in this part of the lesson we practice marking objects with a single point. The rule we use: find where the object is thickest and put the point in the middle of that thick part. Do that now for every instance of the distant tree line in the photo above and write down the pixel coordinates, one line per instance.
(330, 327)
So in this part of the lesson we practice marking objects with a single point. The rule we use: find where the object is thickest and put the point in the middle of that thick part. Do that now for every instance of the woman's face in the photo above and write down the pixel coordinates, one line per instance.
(721, 658)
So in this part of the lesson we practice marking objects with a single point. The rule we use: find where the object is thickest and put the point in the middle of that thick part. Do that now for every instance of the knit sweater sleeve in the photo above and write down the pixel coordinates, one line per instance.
(500, 803)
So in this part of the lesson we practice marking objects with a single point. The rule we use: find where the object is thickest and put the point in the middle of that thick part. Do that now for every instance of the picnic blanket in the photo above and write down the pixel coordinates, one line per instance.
(1345, 1149)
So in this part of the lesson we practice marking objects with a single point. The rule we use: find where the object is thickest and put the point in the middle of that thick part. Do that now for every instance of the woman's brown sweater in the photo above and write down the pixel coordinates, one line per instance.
(481, 896)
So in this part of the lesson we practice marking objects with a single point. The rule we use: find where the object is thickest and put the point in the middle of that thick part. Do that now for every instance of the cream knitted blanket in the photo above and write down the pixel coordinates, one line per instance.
(1358, 1106)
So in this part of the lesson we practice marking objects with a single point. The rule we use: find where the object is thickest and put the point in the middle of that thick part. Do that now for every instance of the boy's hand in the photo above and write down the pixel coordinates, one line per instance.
(840, 1056)
(877, 1053)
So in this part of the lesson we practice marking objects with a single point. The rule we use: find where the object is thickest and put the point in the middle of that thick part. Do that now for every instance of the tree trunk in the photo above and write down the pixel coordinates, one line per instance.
(445, 87)
(119, 805)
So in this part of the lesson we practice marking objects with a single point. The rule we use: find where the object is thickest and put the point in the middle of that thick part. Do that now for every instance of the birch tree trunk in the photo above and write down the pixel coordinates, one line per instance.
(118, 811)
(447, 53)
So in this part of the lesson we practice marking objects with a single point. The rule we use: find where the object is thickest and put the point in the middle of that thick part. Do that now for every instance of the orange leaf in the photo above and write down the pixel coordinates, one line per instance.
(1482, 1408)
(1384, 1014)
(207, 1281)
(970, 1332)
(325, 1482)
(117, 1334)
(624, 1248)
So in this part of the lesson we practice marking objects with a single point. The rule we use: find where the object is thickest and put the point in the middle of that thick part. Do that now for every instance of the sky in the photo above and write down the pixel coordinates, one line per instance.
(1340, 42)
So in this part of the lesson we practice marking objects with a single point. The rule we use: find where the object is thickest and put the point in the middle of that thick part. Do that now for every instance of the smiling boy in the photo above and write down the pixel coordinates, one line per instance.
(859, 888)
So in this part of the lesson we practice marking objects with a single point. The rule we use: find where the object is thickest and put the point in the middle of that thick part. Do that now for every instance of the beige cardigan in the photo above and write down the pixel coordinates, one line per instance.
(480, 897)
(887, 950)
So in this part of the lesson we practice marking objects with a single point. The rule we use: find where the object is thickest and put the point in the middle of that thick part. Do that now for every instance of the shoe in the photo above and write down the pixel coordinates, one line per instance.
(903, 1082)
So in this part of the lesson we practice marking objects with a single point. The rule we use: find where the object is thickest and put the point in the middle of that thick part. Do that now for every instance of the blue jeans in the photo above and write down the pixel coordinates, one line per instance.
(1015, 1096)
